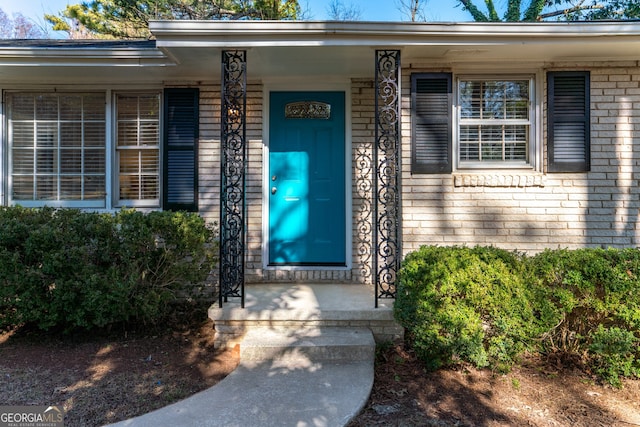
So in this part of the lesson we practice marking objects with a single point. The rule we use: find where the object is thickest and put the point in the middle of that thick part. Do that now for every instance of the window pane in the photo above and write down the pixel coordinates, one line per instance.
(94, 134)
(127, 133)
(149, 187)
(129, 186)
(469, 142)
(71, 134)
(46, 161)
(70, 107)
(22, 161)
(23, 188)
(46, 188)
(22, 134)
(47, 134)
(149, 133)
(94, 161)
(71, 187)
(516, 138)
(127, 107)
(491, 143)
(149, 106)
(517, 100)
(149, 161)
(47, 107)
(94, 187)
(71, 161)
(93, 107)
(470, 99)
(22, 106)
(492, 100)
(129, 162)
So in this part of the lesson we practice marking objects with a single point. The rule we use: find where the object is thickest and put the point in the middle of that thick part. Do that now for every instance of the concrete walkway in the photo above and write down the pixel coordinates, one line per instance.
(316, 377)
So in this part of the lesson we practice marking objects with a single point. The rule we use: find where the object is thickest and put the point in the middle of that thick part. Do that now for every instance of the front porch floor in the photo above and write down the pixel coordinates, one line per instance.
(296, 306)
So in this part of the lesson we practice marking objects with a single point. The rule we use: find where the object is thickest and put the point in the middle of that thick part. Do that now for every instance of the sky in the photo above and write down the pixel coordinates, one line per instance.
(371, 10)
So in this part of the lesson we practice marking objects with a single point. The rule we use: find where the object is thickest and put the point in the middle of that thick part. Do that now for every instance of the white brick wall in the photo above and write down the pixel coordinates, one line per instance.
(517, 211)
(599, 208)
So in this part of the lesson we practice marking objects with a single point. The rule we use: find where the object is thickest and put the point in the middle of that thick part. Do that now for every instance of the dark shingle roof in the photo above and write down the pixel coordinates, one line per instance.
(77, 44)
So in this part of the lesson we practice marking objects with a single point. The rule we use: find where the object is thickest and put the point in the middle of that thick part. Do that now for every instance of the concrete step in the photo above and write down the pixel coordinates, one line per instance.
(307, 345)
(301, 306)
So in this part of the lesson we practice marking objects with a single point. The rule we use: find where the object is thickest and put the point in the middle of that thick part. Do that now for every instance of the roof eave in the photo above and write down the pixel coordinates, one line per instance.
(82, 56)
(327, 33)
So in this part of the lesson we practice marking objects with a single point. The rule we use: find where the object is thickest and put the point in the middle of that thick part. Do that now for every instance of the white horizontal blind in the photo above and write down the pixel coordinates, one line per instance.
(494, 121)
(138, 148)
(57, 143)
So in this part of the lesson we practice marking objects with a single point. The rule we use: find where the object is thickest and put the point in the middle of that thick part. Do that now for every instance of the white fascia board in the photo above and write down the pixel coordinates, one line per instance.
(326, 33)
(86, 57)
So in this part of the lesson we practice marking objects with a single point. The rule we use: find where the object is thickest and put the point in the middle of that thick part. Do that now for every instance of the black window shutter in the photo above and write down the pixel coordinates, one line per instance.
(431, 129)
(568, 121)
(180, 155)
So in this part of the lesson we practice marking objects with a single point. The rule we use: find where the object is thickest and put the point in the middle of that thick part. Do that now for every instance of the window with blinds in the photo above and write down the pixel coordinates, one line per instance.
(138, 148)
(494, 122)
(57, 146)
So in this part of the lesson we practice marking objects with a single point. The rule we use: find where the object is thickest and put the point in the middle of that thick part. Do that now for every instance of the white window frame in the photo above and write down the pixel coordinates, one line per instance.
(69, 203)
(135, 203)
(534, 140)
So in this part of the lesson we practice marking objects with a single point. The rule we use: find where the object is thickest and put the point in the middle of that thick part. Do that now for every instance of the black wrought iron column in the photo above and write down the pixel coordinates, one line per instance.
(233, 175)
(386, 177)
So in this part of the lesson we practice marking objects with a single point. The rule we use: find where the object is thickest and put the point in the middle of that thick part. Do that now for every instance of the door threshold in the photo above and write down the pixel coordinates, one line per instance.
(305, 266)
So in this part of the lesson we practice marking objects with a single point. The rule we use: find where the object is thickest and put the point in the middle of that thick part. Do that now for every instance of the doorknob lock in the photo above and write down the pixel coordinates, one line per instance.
(273, 190)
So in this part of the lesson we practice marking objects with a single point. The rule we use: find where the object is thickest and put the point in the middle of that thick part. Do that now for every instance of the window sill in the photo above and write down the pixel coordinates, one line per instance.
(509, 180)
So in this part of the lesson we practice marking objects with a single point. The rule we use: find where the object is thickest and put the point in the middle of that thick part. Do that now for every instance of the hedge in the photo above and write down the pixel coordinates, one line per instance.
(488, 307)
(63, 269)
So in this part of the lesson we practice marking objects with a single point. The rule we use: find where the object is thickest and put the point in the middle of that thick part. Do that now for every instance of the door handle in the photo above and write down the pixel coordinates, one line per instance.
(273, 190)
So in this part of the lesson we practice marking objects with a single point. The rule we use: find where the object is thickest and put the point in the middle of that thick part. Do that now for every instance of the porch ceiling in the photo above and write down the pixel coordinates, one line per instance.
(287, 49)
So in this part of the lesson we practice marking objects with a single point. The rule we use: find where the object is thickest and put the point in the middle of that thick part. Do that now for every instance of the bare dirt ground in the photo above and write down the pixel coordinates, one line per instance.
(538, 393)
(101, 380)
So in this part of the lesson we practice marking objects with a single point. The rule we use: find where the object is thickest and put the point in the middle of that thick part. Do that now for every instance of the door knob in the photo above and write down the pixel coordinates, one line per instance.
(273, 190)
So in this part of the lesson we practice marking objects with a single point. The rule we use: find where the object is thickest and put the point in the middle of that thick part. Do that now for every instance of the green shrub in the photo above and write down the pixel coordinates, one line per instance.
(67, 269)
(487, 306)
(465, 304)
(614, 353)
(592, 299)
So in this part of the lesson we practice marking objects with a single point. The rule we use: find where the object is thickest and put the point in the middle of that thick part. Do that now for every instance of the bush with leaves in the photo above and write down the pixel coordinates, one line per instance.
(487, 306)
(465, 304)
(591, 298)
(68, 270)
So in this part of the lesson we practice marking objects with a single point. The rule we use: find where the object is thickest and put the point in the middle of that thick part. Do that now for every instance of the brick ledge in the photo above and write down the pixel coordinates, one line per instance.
(499, 180)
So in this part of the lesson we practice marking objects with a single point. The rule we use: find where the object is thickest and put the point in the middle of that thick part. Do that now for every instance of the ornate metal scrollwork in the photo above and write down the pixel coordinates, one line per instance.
(386, 181)
(307, 110)
(233, 175)
(364, 186)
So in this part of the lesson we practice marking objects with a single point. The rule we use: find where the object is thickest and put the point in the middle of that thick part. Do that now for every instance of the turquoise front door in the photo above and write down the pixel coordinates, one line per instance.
(307, 188)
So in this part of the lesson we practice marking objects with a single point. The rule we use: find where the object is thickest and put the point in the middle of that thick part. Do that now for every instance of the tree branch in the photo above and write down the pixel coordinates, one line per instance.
(474, 11)
(569, 11)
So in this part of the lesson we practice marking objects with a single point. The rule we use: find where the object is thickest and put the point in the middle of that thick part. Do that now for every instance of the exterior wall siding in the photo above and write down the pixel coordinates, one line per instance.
(531, 212)
(517, 211)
